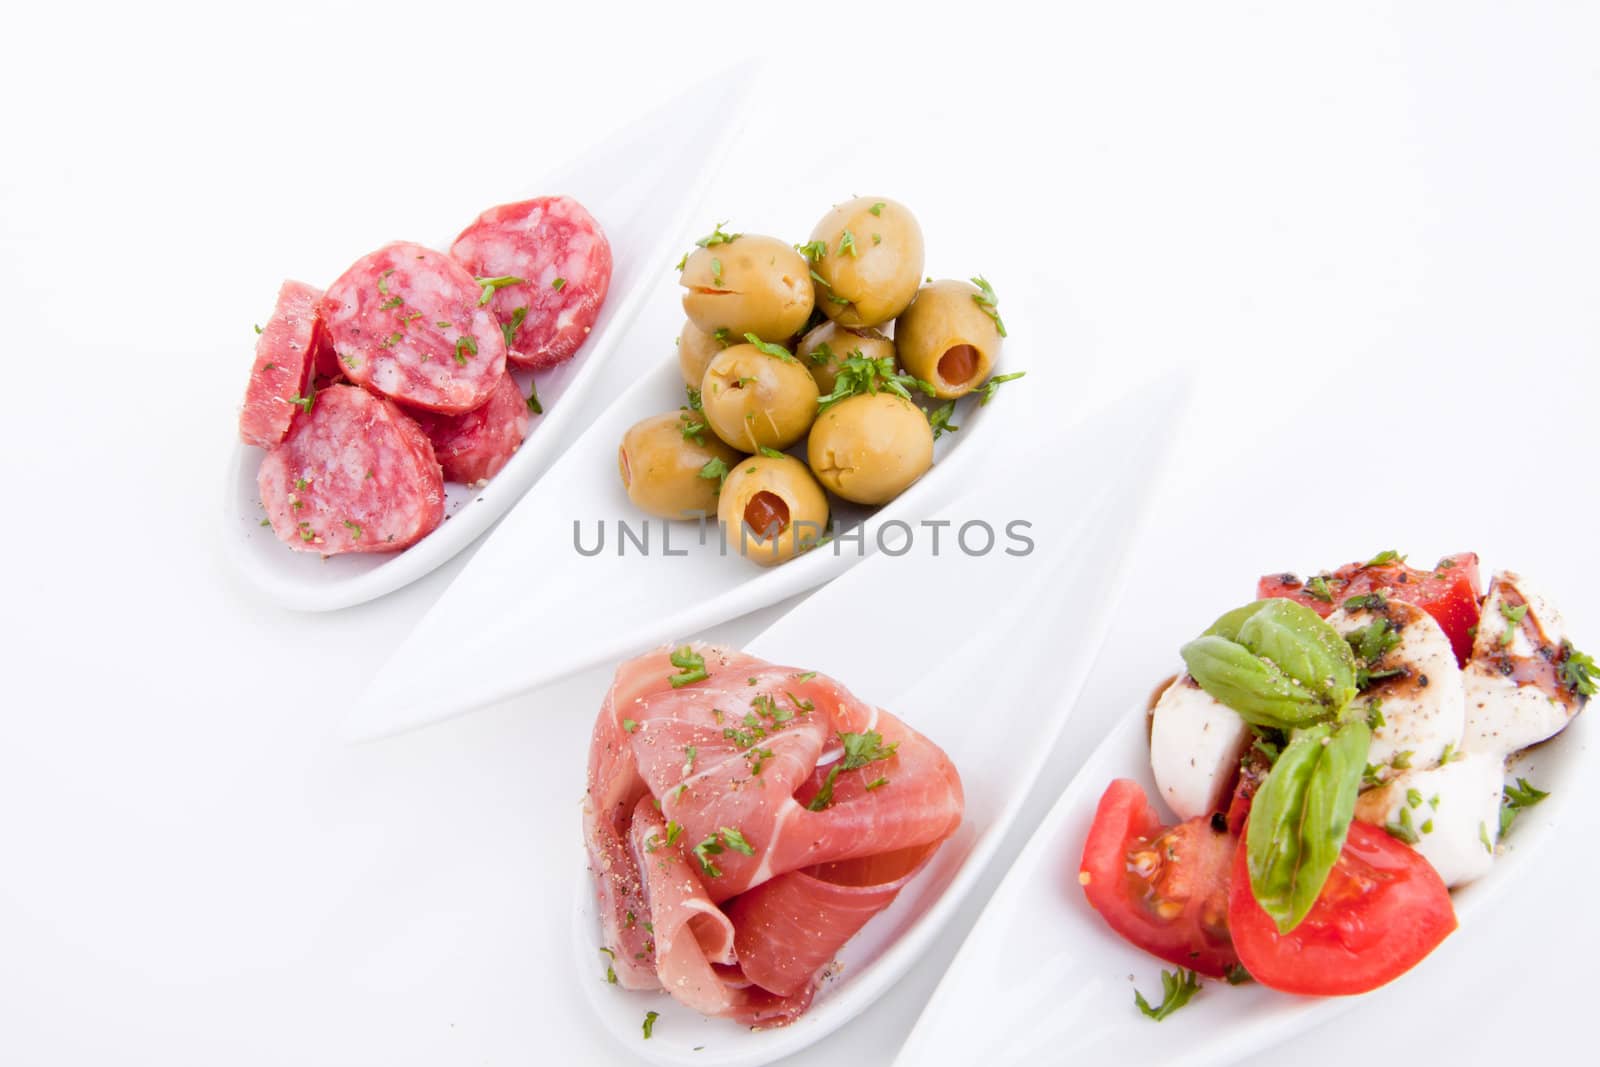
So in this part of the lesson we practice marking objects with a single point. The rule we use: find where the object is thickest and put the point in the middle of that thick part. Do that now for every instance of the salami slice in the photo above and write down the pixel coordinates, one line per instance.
(355, 474)
(287, 352)
(473, 447)
(405, 321)
(563, 260)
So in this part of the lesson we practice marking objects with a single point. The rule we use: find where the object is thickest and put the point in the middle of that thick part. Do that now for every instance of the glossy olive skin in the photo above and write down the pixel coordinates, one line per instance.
(947, 339)
(660, 467)
(696, 350)
(767, 491)
(870, 448)
(752, 284)
(826, 346)
(754, 401)
(870, 277)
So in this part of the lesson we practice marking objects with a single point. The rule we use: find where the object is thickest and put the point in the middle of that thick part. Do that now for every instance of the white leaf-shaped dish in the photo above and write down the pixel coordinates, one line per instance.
(642, 186)
(530, 608)
(992, 684)
(1050, 980)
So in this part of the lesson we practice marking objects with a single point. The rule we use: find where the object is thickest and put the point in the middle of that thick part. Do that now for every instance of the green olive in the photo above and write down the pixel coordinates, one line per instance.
(754, 401)
(871, 447)
(868, 253)
(772, 508)
(696, 349)
(751, 284)
(947, 339)
(826, 346)
(661, 461)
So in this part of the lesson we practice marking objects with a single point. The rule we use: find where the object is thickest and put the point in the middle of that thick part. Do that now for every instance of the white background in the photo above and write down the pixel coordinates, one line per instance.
(1373, 236)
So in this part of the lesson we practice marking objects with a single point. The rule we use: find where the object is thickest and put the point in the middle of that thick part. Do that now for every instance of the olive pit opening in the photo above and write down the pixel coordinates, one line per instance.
(958, 364)
(767, 514)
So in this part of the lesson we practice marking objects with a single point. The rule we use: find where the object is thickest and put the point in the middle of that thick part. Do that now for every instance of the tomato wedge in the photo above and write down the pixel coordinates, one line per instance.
(1163, 888)
(1451, 592)
(1382, 910)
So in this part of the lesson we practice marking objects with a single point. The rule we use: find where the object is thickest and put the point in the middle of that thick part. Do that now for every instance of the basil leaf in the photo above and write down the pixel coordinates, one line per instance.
(1301, 816)
(1256, 688)
(1277, 663)
(1304, 647)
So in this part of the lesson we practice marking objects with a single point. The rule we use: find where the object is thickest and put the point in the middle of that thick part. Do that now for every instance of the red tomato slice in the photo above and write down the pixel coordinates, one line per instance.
(1451, 592)
(1164, 889)
(1253, 770)
(1382, 910)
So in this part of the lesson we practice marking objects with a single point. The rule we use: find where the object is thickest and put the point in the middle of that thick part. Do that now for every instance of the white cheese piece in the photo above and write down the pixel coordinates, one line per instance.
(1196, 743)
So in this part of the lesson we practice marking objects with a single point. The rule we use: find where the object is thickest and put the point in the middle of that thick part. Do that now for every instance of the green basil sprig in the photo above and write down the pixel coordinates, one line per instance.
(1301, 816)
(1277, 663)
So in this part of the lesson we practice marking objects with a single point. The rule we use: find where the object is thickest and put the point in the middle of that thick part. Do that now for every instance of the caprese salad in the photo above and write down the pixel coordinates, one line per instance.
(1336, 756)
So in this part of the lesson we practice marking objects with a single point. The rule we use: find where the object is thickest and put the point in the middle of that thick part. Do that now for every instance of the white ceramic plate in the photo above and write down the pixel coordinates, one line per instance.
(645, 211)
(992, 688)
(1050, 980)
(529, 608)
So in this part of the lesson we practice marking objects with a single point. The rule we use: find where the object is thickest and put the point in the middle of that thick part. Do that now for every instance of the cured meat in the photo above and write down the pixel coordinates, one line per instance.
(473, 447)
(289, 349)
(756, 819)
(405, 322)
(355, 474)
(563, 260)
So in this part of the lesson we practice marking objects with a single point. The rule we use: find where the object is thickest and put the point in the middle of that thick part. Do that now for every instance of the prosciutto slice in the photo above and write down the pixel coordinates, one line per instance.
(742, 827)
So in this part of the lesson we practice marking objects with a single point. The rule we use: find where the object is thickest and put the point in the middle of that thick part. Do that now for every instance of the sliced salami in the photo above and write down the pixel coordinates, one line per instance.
(355, 474)
(563, 259)
(406, 321)
(287, 353)
(473, 447)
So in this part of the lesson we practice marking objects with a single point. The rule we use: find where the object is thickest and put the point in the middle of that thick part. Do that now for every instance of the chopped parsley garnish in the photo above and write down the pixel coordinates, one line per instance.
(736, 841)
(383, 281)
(771, 453)
(1402, 828)
(258, 329)
(508, 330)
(992, 386)
(860, 374)
(266, 522)
(630, 725)
(715, 468)
(859, 750)
(650, 1018)
(465, 343)
(1578, 671)
(813, 250)
(694, 397)
(559, 284)
(305, 403)
(491, 285)
(1388, 555)
(1513, 617)
(990, 303)
(1402, 760)
(1374, 640)
(718, 237)
(674, 831)
(939, 418)
(354, 528)
(877, 783)
(716, 272)
(691, 428)
(1371, 600)
(1517, 797)
(847, 243)
(391, 303)
(1318, 588)
(1236, 974)
(822, 355)
(1177, 987)
(689, 753)
(776, 351)
(533, 398)
(876, 209)
(691, 664)
(611, 972)
(703, 853)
